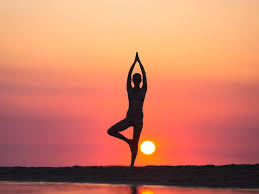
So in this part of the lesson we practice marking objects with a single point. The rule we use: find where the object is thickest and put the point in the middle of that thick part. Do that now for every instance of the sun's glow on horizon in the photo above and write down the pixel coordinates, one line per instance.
(147, 147)
(147, 192)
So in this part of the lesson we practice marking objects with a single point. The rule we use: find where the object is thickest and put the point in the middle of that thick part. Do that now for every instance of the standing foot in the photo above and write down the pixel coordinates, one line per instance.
(134, 150)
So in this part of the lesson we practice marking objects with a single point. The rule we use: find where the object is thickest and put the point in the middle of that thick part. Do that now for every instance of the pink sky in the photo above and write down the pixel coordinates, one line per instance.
(64, 64)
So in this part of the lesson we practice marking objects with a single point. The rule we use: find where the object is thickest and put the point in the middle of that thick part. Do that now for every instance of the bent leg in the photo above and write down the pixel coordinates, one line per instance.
(118, 127)
(137, 128)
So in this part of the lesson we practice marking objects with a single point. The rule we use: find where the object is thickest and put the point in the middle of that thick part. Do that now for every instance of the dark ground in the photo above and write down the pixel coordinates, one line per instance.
(242, 176)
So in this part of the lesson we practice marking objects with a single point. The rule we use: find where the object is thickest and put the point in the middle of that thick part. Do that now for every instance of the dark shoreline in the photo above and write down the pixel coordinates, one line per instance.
(226, 176)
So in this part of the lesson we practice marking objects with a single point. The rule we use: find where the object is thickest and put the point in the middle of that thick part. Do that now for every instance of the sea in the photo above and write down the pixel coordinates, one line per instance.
(7, 187)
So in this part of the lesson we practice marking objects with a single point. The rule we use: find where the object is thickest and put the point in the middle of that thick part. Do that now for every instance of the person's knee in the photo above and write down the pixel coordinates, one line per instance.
(110, 131)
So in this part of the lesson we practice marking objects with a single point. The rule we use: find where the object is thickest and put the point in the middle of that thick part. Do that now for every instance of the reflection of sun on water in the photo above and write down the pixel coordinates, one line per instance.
(147, 147)
(147, 192)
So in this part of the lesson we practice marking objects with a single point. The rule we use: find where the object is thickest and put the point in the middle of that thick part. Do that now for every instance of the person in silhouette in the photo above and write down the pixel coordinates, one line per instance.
(134, 117)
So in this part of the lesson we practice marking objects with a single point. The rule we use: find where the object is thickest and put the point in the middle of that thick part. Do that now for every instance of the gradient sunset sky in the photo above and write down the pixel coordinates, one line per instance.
(63, 71)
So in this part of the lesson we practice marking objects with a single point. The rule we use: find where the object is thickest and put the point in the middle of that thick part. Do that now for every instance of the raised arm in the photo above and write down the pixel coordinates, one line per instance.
(130, 75)
(143, 74)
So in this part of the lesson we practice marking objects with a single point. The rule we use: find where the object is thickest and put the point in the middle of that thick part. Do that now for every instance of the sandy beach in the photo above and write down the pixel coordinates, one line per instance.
(238, 176)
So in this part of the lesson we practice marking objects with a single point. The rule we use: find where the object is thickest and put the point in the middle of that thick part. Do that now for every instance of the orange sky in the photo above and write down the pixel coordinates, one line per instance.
(64, 64)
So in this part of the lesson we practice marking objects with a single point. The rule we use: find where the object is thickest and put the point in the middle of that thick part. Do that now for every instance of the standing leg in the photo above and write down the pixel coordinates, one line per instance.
(137, 128)
(118, 127)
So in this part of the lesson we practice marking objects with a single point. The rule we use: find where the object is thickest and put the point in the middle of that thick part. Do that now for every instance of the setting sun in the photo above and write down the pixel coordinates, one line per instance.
(147, 147)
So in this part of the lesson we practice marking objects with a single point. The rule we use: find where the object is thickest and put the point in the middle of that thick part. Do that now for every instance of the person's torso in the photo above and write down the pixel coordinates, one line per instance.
(136, 101)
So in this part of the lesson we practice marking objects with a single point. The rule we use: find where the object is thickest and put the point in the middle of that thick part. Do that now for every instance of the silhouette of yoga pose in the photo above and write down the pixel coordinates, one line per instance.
(134, 116)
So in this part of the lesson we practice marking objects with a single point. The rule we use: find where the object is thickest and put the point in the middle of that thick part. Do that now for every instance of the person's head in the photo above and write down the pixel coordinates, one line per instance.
(136, 79)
